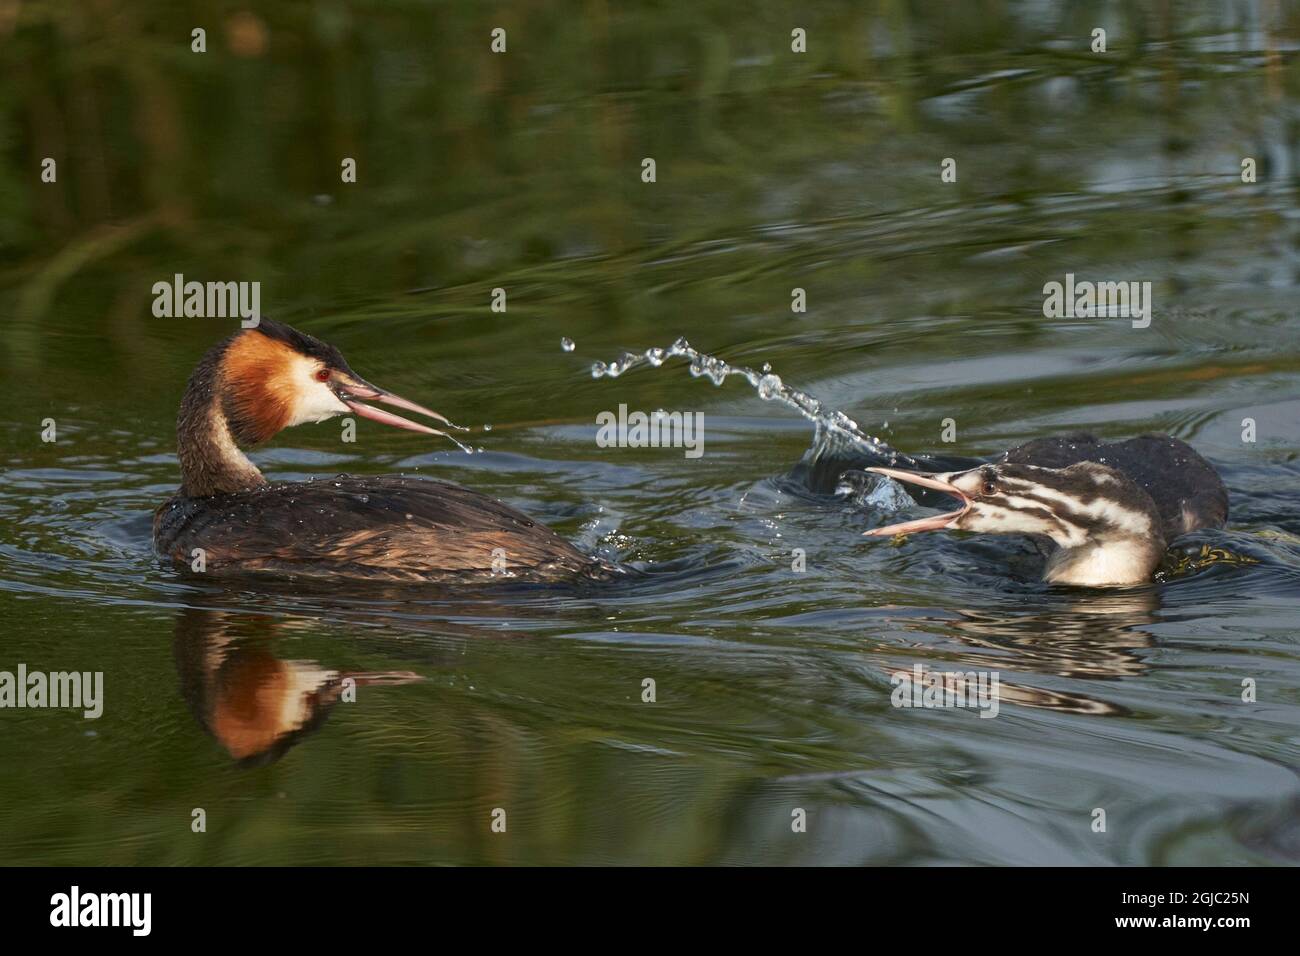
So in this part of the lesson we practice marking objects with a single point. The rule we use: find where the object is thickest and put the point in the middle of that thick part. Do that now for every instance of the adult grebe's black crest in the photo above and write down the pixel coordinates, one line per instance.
(1107, 511)
(261, 380)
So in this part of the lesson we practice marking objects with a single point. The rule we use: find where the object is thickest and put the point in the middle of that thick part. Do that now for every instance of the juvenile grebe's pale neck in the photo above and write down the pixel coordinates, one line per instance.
(1106, 561)
(210, 458)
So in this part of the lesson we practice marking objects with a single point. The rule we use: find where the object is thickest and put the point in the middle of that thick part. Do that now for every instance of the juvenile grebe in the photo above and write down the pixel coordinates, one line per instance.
(1106, 512)
(264, 379)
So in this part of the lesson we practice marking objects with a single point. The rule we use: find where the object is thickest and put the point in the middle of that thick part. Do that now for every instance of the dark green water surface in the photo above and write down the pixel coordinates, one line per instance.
(774, 170)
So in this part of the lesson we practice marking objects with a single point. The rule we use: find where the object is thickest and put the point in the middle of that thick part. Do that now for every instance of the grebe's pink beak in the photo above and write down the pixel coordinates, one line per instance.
(349, 389)
(935, 523)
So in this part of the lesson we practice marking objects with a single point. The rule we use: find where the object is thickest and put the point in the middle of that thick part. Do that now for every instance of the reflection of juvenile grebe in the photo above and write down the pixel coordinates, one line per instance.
(1105, 511)
(255, 704)
(261, 380)
(1098, 637)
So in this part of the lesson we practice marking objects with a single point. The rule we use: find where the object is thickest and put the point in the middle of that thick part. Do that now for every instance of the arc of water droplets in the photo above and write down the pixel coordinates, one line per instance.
(766, 383)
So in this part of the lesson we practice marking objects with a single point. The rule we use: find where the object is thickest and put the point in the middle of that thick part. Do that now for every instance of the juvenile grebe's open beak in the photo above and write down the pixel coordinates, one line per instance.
(349, 389)
(934, 523)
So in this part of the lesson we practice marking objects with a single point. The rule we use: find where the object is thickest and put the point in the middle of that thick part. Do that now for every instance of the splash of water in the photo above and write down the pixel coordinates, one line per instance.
(832, 426)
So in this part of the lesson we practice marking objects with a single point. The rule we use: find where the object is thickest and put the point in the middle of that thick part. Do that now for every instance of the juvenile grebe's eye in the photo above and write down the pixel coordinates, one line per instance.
(989, 487)
(323, 375)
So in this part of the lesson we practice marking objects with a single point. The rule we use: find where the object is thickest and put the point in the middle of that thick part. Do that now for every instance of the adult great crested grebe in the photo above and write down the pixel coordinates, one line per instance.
(1105, 511)
(267, 378)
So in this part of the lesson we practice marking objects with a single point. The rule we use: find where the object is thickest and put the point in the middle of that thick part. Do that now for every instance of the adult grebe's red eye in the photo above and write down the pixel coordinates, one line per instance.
(323, 375)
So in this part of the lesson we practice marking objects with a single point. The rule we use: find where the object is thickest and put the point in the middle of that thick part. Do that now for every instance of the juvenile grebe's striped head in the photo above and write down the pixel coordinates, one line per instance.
(1106, 528)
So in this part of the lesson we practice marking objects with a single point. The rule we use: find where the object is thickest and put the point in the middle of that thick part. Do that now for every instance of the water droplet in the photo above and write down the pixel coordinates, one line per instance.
(487, 428)
(598, 369)
(655, 357)
(567, 344)
(769, 386)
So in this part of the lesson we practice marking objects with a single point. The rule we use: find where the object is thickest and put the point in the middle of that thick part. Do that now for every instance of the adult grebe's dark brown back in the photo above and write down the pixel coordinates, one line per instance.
(261, 380)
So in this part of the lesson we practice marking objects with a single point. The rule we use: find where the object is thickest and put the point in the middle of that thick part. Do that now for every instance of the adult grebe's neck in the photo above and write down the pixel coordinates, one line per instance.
(211, 462)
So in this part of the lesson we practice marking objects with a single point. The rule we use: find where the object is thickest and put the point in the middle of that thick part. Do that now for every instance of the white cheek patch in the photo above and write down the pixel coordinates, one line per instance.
(314, 401)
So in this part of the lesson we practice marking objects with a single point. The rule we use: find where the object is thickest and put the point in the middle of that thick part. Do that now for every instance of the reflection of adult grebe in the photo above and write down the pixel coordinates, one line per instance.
(261, 380)
(1106, 511)
(255, 704)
